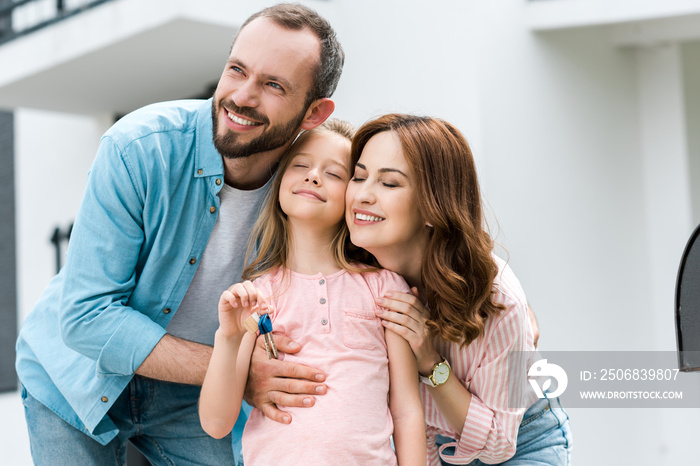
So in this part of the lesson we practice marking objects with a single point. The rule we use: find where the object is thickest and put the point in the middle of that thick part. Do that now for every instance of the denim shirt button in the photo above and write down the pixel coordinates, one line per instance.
(218, 181)
(166, 311)
(193, 260)
(212, 209)
(104, 399)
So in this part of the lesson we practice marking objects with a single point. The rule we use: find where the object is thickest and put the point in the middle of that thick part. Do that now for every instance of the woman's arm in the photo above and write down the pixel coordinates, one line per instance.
(484, 424)
(405, 403)
(534, 325)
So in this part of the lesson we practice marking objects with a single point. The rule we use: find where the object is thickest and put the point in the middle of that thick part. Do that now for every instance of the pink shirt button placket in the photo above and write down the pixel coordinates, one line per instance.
(324, 306)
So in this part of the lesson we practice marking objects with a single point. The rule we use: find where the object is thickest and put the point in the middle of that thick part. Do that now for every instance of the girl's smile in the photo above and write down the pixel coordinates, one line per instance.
(314, 182)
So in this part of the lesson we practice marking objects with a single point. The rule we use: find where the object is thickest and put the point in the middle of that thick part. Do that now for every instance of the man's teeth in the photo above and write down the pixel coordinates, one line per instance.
(368, 218)
(240, 121)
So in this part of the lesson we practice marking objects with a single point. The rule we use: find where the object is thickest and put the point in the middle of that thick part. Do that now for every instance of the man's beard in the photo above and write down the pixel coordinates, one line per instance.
(272, 138)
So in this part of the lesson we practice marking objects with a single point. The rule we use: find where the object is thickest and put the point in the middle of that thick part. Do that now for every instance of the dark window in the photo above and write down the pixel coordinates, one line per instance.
(8, 280)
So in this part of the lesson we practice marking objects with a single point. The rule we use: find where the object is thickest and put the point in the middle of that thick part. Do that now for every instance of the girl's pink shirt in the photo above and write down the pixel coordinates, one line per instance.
(333, 319)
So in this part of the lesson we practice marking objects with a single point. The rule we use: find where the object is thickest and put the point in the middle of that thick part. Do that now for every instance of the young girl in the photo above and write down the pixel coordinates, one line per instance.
(304, 278)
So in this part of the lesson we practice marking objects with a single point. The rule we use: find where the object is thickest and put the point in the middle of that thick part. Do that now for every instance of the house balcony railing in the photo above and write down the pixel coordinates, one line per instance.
(22, 17)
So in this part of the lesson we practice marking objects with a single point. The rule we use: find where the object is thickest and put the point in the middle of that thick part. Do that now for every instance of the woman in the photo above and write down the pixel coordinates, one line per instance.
(414, 204)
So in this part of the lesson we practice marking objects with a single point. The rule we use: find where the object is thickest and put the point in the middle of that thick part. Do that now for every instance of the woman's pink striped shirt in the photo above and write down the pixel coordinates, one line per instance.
(491, 428)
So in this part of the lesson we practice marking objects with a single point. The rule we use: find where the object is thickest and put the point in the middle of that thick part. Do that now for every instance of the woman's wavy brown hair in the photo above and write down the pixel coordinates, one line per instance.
(270, 238)
(457, 269)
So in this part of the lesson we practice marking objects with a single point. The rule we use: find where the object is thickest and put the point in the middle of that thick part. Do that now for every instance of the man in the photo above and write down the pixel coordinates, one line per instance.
(117, 347)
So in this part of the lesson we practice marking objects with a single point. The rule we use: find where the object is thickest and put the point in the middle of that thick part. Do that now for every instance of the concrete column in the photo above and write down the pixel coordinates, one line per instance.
(665, 168)
(668, 205)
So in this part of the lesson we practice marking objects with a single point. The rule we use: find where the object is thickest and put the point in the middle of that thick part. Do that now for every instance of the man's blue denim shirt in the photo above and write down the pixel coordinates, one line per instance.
(141, 230)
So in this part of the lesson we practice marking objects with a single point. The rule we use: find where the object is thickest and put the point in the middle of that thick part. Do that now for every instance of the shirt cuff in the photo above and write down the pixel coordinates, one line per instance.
(477, 425)
(129, 345)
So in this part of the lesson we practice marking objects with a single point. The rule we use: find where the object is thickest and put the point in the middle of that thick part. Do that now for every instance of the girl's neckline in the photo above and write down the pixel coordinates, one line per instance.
(318, 275)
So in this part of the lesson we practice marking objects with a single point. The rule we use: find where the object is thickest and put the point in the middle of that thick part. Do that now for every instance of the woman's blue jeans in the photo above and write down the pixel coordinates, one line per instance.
(159, 418)
(544, 437)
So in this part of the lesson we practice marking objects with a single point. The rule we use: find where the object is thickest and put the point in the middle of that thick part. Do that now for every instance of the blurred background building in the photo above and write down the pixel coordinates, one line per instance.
(584, 117)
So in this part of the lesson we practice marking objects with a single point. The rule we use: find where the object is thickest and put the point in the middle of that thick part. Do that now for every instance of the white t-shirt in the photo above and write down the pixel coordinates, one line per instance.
(221, 265)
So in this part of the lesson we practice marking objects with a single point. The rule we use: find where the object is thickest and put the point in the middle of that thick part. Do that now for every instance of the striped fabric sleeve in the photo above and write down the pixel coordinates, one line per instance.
(491, 427)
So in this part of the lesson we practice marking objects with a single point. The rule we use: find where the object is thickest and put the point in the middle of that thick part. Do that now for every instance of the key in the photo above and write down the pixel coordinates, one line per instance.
(265, 326)
(263, 323)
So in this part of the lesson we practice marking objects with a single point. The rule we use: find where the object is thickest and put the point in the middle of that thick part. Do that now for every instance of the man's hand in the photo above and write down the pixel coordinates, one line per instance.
(273, 383)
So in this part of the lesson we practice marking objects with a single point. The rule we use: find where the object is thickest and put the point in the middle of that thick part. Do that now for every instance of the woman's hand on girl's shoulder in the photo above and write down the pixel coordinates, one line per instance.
(405, 315)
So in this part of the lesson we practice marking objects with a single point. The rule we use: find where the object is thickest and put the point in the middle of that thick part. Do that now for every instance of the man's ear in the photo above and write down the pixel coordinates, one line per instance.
(317, 113)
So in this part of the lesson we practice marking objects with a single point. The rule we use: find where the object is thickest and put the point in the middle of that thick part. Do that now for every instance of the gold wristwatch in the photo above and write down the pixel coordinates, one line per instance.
(440, 374)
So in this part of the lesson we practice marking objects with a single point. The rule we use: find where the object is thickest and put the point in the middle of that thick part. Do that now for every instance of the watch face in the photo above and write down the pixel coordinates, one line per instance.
(441, 373)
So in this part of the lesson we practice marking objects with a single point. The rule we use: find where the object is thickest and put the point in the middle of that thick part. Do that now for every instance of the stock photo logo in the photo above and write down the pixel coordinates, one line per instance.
(551, 371)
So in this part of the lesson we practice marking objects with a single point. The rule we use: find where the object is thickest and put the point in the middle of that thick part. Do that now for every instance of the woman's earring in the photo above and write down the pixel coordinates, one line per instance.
(428, 224)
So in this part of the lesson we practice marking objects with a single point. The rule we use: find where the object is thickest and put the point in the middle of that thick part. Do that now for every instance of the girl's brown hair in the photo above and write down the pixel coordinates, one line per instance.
(270, 239)
(457, 269)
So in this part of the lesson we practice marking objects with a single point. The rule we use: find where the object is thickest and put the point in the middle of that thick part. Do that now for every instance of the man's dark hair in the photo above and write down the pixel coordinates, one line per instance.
(296, 17)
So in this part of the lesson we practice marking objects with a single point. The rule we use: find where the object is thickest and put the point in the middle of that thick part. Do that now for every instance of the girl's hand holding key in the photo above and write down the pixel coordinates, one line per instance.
(236, 304)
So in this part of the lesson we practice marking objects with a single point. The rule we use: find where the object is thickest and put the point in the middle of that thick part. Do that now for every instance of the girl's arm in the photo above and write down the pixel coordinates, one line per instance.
(405, 314)
(405, 402)
(224, 383)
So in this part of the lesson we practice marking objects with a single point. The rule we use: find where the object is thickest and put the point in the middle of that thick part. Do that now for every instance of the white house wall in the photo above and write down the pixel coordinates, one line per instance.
(559, 14)
(53, 153)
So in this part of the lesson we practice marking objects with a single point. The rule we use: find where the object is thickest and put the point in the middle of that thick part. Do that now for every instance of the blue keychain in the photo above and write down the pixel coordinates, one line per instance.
(265, 327)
